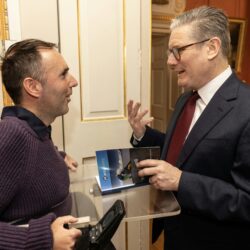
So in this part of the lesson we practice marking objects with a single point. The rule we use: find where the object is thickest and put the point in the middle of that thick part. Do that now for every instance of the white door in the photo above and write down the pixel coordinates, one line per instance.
(107, 46)
(101, 42)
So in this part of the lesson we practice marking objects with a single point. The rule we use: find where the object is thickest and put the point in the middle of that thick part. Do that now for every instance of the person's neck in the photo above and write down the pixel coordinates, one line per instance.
(219, 66)
(44, 118)
(216, 69)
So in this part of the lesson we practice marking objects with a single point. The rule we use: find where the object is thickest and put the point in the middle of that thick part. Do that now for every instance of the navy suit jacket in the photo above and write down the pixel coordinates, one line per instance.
(214, 190)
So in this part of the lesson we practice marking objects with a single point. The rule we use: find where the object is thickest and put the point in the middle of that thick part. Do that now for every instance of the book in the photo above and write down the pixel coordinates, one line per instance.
(117, 167)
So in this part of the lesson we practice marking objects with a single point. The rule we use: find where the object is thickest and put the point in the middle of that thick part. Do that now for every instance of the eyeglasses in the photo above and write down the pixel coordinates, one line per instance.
(176, 51)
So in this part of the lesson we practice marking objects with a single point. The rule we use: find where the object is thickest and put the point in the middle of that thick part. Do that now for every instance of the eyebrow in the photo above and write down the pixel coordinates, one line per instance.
(65, 71)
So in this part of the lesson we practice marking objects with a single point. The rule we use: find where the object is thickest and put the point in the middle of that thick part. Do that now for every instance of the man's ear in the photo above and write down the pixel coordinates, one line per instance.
(32, 87)
(214, 46)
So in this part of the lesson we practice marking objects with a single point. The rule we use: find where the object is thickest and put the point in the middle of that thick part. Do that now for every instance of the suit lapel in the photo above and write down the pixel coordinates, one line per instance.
(219, 106)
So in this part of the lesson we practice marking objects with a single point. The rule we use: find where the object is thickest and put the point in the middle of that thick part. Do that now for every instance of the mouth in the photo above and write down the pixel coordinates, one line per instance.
(68, 98)
(180, 72)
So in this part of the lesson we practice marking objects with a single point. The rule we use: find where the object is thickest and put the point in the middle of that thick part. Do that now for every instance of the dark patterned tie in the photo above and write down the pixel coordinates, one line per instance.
(181, 129)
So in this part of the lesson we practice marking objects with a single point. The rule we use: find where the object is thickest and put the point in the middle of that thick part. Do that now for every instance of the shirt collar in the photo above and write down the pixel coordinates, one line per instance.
(33, 121)
(208, 90)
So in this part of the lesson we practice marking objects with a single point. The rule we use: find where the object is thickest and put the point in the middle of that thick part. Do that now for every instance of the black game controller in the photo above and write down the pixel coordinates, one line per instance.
(98, 237)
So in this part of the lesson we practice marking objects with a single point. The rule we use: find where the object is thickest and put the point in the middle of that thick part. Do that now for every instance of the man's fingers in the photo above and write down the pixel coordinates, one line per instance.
(148, 121)
(148, 163)
(75, 164)
(140, 115)
(135, 110)
(134, 115)
(148, 171)
(67, 219)
(148, 167)
(130, 106)
(75, 232)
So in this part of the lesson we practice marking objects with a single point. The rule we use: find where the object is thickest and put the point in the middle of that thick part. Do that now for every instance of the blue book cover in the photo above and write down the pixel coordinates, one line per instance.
(117, 167)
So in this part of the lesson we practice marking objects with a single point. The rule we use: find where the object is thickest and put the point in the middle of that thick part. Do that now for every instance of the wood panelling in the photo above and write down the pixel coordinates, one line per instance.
(230, 6)
(233, 8)
(190, 4)
(245, 74)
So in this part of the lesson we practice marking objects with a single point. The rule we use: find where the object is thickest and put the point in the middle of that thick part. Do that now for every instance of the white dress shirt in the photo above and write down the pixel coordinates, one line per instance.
(207, 92)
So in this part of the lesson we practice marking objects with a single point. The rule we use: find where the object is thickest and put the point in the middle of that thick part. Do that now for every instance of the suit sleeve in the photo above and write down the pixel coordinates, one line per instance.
(151, 138)
(219, 198)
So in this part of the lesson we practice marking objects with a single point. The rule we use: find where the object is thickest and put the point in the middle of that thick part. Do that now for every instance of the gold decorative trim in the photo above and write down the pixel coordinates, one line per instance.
(124, 60)
(162, 18)
(4, 35)
(120, 117)
(4, 28)
(237, 33)
(160, 2)
(79, 58)
(114, 118)
(166, 14)
(180, 6)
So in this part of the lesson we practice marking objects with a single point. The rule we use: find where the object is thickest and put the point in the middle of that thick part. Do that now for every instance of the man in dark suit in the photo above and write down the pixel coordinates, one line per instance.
(211, 174)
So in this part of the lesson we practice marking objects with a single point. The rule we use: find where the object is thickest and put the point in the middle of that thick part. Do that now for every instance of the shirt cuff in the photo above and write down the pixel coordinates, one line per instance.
(137, 140)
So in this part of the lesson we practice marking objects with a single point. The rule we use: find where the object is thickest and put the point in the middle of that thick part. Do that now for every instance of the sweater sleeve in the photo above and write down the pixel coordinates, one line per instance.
(37, 236)
(12, 159)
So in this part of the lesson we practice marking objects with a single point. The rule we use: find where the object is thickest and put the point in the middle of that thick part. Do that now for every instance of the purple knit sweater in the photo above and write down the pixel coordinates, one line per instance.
(34, 182)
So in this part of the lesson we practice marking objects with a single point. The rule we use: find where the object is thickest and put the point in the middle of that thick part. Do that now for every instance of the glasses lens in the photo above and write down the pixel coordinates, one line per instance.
(176, 54)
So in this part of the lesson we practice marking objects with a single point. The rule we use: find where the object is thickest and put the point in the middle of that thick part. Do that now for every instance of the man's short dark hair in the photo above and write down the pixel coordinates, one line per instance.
(22, 60)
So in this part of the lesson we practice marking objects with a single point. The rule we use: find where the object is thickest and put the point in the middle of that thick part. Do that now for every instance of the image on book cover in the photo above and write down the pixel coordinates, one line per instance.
(117, 167)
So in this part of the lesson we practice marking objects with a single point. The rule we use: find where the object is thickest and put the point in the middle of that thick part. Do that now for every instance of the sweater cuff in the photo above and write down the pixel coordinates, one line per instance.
(37, 236)
(12, 237)
(39, 233)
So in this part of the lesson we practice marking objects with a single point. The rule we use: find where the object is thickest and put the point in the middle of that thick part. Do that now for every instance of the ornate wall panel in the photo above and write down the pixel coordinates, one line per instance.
(102, 59)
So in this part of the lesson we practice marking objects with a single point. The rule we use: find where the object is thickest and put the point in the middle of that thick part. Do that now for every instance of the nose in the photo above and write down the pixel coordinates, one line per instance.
(171, 59)
(73, 81)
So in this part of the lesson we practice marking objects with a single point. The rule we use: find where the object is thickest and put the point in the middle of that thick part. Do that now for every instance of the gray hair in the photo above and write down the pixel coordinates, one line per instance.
(207, 22)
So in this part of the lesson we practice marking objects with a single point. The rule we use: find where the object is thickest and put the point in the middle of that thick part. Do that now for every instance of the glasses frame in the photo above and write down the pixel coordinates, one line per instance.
(176, 51)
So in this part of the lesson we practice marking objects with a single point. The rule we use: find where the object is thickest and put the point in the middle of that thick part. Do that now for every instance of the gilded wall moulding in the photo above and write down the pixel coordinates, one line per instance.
(165, 12)
(4, 29)
(4, 35)
(160, 1)
(180, 6)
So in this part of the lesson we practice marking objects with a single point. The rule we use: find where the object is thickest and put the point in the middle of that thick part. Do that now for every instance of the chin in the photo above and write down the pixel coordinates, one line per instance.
(183, 84)
(65, 111)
